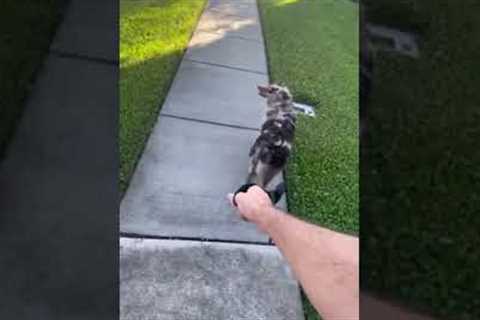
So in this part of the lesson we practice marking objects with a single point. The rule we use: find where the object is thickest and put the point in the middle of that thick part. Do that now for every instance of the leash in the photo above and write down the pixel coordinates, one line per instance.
(274, 195)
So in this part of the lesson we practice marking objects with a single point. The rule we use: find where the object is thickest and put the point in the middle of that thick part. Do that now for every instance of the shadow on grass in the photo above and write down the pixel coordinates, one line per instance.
(147, 68)
(141, 97)
(144, 86)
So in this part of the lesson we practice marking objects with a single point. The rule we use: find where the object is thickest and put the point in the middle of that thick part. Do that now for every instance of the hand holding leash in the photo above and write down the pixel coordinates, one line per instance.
(273, 195)
(255, 204)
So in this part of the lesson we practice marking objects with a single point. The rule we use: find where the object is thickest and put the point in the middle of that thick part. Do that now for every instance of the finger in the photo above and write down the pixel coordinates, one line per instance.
(230, 200)
(255, 188)
(237, 197)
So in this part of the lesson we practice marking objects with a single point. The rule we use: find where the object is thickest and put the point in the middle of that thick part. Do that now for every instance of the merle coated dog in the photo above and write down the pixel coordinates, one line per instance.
(269, 153)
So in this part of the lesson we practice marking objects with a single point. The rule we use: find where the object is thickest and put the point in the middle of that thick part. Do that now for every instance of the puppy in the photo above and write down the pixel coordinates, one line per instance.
(269, 153)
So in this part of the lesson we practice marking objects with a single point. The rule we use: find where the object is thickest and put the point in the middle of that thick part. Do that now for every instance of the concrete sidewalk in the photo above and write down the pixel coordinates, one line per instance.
(196, 154)
(171, 280)
(198, 150)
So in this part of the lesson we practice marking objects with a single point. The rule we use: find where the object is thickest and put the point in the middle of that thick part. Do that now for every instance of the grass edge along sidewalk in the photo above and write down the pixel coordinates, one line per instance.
(154, 35)
(312, 47)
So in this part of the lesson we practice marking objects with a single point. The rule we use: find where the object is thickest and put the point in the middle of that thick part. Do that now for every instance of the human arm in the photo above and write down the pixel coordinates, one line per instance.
(325, 262)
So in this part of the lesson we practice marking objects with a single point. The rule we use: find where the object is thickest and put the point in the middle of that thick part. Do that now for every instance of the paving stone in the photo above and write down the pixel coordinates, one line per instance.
(180, 185)
(243, 8)
(89, 29)
(231, 25)
(227, 51)
(174, 280)
(218, 94)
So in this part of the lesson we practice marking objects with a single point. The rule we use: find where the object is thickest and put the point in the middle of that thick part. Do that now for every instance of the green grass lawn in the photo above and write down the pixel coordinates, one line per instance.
(421, 184)
(312, 48)
(27, 29)
(153, 37)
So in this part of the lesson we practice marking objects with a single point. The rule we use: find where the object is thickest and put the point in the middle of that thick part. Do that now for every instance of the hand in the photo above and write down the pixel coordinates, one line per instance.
(254, 206)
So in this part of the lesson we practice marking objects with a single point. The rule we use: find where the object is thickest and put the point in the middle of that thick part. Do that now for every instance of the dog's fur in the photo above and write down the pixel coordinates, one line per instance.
(269, 153)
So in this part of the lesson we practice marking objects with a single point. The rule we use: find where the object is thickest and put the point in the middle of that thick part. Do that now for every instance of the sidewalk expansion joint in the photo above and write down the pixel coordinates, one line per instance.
(209, 122)
(225, 66)
(77, 56)
(213, 240)
(217, 10)
(233, 36)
